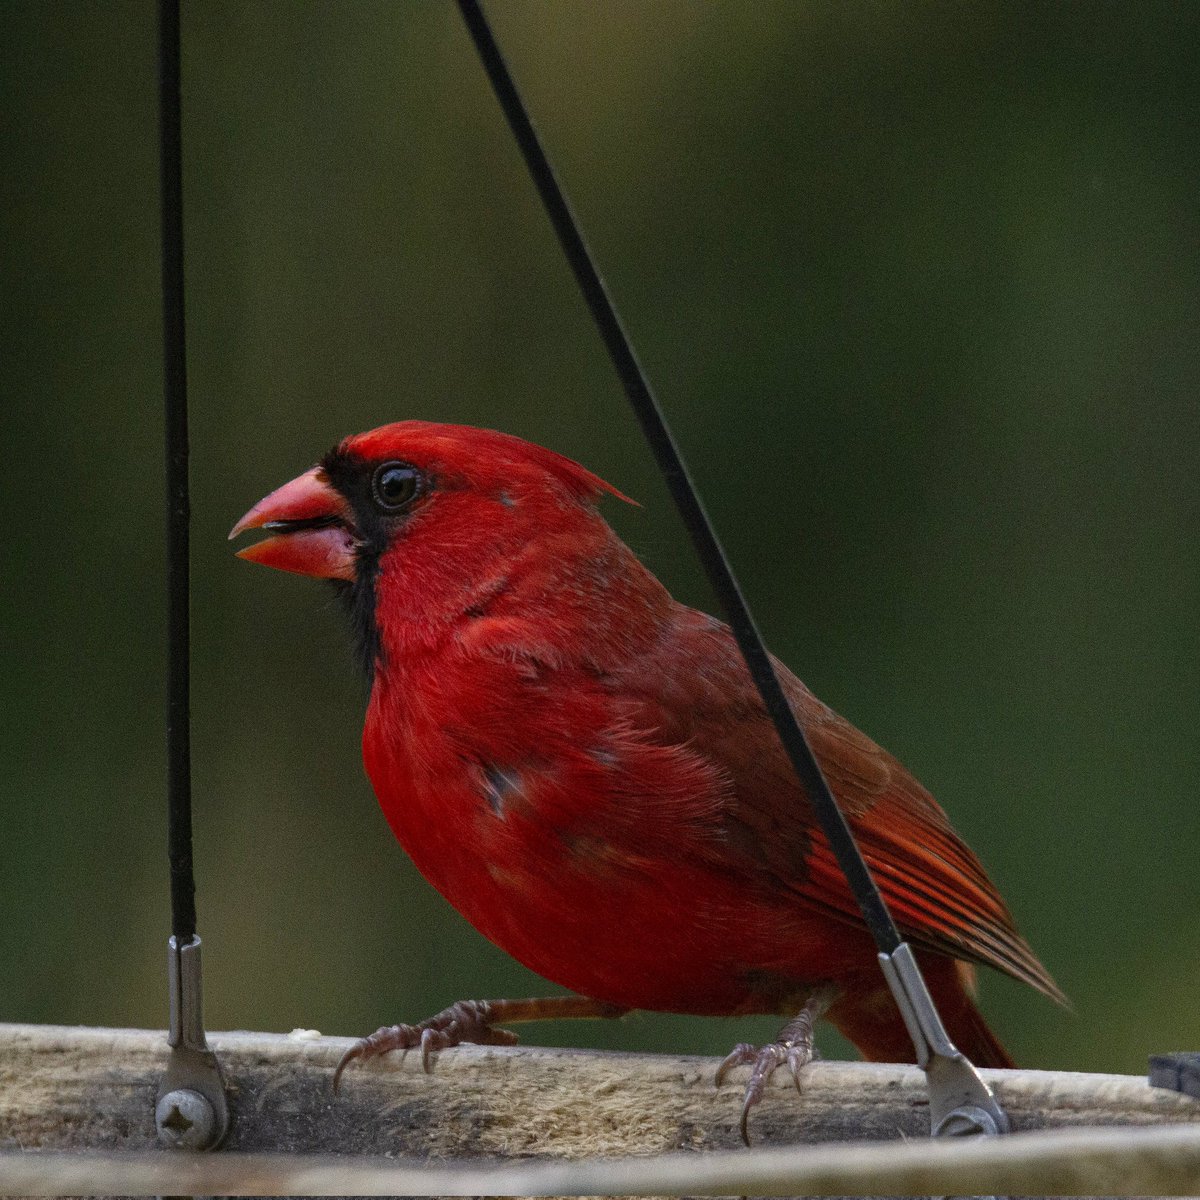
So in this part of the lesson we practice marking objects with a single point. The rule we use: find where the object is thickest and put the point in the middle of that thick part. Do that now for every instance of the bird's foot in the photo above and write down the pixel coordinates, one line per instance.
(766, 1060)
(464, 1021)
(793, 1048)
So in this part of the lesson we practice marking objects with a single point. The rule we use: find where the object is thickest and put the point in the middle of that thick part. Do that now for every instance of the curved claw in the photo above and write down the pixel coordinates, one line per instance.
(744, 1123)
(739, 1056)
(431, 1040)
(390, 1037)
(354, 1052)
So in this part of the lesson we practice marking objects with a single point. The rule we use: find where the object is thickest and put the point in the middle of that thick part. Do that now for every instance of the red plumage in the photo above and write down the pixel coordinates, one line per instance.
(584, 769)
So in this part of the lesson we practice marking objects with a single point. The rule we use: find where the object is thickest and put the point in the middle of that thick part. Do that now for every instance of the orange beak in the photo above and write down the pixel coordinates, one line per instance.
(312, 527)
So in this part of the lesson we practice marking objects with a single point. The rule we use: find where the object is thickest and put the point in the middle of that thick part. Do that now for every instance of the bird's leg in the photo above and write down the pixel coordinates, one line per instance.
(793, 1046)
(473, 1021)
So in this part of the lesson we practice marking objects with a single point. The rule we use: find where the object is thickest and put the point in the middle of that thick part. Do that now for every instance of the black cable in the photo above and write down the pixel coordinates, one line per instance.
(179, 781)
(704, 538)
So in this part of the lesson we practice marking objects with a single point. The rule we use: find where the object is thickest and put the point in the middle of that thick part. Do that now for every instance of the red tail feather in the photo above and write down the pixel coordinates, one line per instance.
(870, 1019)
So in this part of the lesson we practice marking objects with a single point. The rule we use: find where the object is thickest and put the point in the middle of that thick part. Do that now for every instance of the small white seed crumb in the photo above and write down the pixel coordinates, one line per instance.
(305, 1035)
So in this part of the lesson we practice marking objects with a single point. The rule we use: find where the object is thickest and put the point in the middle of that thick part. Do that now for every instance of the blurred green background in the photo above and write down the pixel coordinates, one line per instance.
(917, 285)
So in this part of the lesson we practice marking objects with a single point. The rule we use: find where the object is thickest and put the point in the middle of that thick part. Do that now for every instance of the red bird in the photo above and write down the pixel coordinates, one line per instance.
(582, 766)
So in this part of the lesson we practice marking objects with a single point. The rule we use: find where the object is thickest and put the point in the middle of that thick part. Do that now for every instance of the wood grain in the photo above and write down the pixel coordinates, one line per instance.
(70, 1088)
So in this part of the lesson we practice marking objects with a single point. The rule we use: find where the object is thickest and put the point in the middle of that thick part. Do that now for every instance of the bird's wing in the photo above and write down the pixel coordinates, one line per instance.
(699, 692)
(936, 889)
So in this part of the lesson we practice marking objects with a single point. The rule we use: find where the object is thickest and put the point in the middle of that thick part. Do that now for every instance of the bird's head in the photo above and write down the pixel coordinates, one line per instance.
(417, 521)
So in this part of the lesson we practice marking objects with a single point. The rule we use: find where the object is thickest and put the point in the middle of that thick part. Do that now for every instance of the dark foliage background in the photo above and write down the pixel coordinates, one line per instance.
(917, 284)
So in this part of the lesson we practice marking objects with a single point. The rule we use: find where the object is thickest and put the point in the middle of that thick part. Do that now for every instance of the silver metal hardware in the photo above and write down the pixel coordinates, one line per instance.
(960, 1103)
(192, 1111)
(185, 1120)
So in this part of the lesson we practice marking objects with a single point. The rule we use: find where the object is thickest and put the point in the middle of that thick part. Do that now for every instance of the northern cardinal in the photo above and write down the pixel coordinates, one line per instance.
(582, 766)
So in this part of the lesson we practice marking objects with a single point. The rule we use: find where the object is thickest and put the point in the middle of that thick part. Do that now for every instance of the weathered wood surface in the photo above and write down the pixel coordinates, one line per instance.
(1159, 1160)
(69, 1088)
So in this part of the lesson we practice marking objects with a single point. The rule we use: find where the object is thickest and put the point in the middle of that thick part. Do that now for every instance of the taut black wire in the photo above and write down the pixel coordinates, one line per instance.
(687, 500)
(179, 780)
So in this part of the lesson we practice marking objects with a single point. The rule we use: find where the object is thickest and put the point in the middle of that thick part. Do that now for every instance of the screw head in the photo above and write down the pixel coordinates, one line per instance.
(968, 1121)
(185, 1120)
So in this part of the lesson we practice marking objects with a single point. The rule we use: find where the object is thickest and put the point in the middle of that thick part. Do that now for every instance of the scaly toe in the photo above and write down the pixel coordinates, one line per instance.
(465, 1021)
(798, 1057)
(766, 1062)
(390, 1037)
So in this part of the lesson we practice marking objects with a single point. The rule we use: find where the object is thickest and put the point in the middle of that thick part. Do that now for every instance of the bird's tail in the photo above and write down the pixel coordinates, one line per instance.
(870, 1019)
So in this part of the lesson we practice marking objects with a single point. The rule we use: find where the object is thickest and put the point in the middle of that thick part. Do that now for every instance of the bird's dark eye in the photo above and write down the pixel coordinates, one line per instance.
(394, 485)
